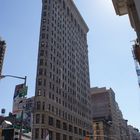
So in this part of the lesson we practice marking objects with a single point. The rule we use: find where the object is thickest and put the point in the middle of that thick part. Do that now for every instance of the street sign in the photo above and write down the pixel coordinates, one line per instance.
(23, 91)
(20, 90)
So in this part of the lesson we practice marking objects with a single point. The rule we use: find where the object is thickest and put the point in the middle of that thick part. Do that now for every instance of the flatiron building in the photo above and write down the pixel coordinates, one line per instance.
(62, 96)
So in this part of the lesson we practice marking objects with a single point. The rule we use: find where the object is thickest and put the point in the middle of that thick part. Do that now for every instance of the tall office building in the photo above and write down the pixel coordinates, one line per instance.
(2, 52)
(62, 97)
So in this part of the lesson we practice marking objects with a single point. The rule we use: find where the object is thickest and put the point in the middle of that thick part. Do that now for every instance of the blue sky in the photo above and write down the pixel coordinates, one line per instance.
(109, 40)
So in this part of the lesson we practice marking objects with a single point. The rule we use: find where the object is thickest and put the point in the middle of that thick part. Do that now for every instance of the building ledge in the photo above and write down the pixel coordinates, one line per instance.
(120, 7)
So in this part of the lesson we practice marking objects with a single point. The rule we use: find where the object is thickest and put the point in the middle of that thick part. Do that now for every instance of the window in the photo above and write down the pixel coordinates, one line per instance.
(43, 106)
(70, 138)
(68, 11)
(57, 99)
(36, 133)
(56, 111)
(80, 131)
(97, 126)
(39, 82)
(45, 72)
(39, 92)
(37, 118)
(38, 105)
(64, 137)
(42, 44)
(43, 35)
(42, 133)
(44, 14)
(58, 124)
(44, 82)
(50, 135)
(50, 85)
(50, 120)
(58, 136)
(75, 130)
(49, 107)
(40, 71)
(53, 96)
(64, 6)
(64, 126)
(59, 112)
(41, 52)
(41, 62)
(70, 128)
(43, 118)
(52, 108)
(44, 92)
(84, 133)
(50, 65)
(71, 17)
(50, 95)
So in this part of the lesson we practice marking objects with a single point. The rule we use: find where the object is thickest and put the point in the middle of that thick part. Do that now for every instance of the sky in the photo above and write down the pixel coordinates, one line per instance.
(110, 41)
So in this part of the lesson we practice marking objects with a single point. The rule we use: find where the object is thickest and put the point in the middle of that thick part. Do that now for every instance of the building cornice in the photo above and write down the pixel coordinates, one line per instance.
(120, 7)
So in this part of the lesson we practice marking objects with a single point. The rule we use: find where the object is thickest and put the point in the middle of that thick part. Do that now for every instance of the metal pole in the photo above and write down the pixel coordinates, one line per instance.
(13, 76)
(20, 132)
(3, 76)
(25, 80)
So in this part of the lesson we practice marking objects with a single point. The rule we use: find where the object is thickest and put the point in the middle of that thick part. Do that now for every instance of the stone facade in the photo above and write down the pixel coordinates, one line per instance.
(101, 129)
(108, 121)
(62, 97)
(134, 133)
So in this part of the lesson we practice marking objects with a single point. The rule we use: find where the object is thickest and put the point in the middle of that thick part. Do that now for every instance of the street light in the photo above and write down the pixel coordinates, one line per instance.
(18, 77)
(13, 76)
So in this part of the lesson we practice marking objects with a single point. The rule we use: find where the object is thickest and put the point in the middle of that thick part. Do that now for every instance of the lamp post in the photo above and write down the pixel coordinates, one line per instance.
(13, 76)
(18, 77)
